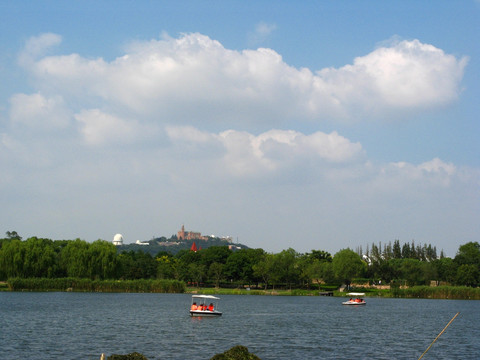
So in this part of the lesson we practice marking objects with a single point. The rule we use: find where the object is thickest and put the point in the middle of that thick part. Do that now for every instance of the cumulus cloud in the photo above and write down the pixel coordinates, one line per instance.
(408, 74)
(438, 166)
(39, 112)
(193, 77)
(37, 46)
(179, 85)
(434, 172)
(262, 31)
(434, 167)
(245, 154)
(100, 128)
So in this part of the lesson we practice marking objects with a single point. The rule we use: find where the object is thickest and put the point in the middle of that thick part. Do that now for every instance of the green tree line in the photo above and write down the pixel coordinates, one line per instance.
(418, 265)
(220, 266)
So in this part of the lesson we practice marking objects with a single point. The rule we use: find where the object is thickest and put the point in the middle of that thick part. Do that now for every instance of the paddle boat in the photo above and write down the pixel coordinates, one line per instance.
(355, 299)
(204, 305)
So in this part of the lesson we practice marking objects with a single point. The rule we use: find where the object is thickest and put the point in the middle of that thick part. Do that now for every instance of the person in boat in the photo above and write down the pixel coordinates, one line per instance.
(210, 307)
(194, 306)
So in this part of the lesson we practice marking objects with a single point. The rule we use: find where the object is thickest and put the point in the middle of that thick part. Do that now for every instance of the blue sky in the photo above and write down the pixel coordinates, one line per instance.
(311, 125)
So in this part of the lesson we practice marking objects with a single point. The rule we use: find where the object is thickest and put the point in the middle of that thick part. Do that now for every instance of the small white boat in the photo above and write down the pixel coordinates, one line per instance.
(204, 305)
(355, 299)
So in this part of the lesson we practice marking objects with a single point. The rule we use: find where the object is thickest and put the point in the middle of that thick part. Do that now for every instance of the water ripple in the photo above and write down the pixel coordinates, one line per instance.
(83, 325)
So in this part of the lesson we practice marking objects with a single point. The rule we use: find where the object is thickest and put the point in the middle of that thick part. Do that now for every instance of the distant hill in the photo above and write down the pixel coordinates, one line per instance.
(173, 245)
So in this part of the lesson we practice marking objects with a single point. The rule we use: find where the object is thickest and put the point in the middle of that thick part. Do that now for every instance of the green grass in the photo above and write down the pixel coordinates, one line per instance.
(174, 286)
(438, 292)
(88, 285)
(425, 292)
(242, 291)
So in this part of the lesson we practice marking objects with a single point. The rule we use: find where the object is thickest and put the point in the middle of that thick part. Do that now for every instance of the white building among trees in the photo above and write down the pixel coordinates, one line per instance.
(118, 239)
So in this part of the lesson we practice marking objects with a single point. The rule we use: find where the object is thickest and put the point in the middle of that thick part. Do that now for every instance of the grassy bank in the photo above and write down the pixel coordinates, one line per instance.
(243, 291)
(438, 292)
(87, 285)
(174, 286)
(423, 292)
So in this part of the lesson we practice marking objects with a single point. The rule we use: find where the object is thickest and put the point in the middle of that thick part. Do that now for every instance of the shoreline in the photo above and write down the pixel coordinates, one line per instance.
(155, 286)
(416, 292)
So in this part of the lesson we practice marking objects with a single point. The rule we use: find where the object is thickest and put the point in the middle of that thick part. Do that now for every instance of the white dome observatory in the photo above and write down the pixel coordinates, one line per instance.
(118, 239)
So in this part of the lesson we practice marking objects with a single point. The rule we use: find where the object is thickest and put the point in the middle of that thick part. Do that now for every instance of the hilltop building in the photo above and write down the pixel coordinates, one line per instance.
(190, 235)
(118, 240)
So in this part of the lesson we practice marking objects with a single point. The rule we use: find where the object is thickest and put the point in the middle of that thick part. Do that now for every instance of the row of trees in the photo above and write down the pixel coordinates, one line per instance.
(54, 259)
(464, 269)
(218, 265)
(397, 251)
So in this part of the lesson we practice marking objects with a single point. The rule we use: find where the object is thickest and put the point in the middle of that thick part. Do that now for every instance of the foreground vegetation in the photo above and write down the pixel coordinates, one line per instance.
(72, 284)
(237, 352)
(421, 292)
(174, 286)
(58, 264)
(440, 292)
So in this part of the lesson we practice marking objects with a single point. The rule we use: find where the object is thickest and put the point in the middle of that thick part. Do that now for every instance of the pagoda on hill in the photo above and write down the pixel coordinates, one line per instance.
(194, 247)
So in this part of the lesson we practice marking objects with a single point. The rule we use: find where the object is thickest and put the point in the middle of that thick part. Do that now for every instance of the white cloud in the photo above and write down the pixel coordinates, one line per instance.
(39, 112)
(37, 46)
(438, 166)
(189, 134)
(406, 75)
(11, 150)
(180, 81)
(100, 128)
(265, 29)
(248, 155)
(434, 167)
(262, 32)
(398, 175)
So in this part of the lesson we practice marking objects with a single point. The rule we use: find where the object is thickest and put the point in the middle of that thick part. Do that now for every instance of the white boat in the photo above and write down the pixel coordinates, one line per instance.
(204, 305)
(355, 299)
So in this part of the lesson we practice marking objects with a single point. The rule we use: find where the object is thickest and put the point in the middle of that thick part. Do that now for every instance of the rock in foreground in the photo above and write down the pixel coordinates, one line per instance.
(236, 353)
(132, 356)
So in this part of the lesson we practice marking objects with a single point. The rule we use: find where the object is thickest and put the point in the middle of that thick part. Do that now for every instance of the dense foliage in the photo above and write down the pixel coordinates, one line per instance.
(419, 265)
(173, 245)
(219, 266)
(87, 285)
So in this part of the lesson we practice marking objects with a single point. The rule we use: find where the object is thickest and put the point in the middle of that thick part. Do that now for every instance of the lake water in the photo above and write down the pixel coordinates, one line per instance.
(83, 325)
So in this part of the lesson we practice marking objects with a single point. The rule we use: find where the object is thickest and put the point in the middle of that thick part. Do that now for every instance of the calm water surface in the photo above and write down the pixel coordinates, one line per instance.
(84, 325)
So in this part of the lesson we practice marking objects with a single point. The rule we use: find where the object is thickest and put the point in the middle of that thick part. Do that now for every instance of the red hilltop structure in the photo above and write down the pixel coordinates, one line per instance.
(194, 247)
